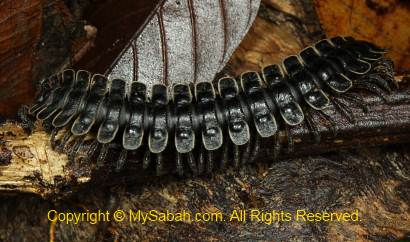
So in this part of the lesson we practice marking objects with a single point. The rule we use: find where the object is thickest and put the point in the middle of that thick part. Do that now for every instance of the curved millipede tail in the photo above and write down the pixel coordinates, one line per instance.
(200, 124)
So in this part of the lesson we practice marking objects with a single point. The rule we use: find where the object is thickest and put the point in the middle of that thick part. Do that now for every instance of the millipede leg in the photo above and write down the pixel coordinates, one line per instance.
(358, 101)
(333, 126)
(225, 154)
(247, 151)
(346, 111)
(289, 138)
(63, 142)
(386, 70)
(210, 161)
(75, 148)
(201, 161)
(53, 135)
(236, 157)
(256, 148)
(192, 163)
(372, 88)
(276, 146)
(102, 155)
(178, 164)
(24, 118)
(389, 77)
(159, 164)
(312, 127)
(134, 157)
(93, 148)
(146, 161)
(121, 160)
(47, 125)
(380, 81)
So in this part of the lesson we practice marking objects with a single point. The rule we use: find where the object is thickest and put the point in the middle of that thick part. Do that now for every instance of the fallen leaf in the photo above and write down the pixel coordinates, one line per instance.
(385, 23)
(186, 41)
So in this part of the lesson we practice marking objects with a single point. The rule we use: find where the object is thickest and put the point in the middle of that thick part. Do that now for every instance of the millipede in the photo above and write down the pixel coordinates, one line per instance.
(201, 123)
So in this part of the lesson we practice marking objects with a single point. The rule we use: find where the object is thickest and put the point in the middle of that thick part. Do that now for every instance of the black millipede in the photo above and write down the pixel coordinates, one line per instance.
(201, 123)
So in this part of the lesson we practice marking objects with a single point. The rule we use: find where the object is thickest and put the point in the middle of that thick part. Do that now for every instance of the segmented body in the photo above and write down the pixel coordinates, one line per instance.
(198, 122)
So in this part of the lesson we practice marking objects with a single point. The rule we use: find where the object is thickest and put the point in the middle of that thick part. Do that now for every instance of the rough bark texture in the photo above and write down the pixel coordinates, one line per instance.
(20, 24)
(374, 180)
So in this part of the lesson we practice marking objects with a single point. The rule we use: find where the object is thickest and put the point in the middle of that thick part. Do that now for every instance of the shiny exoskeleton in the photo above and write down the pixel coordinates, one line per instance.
(197, 122)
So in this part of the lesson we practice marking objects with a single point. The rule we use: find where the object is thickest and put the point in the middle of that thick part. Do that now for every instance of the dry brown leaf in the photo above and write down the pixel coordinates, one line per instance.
(385, 22)
(259, 49)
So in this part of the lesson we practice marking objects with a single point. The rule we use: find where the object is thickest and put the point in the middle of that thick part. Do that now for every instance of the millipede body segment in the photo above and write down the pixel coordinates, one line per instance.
(203, 121)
